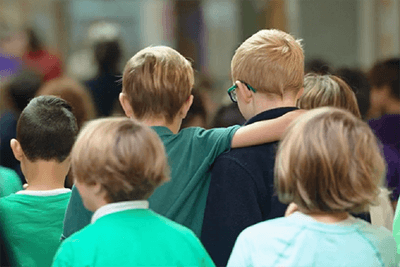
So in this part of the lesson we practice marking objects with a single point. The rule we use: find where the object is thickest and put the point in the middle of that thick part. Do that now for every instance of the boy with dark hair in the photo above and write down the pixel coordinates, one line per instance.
(157, 85)
(46, 132)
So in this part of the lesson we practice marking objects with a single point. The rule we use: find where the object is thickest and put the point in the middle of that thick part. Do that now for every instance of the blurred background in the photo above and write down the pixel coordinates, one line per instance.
(76, 49)
(335, 33)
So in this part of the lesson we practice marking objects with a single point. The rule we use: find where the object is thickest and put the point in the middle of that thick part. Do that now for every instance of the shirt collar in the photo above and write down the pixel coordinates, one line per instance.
(270, 114)
(119, 206)
(162, 130)
(44, 193)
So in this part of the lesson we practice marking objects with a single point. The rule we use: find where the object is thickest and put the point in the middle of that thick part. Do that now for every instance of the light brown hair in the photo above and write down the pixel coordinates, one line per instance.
(328, 90)
(75, 94)
(271, 61)
(329, 161)
(157, 81)
(127, 158)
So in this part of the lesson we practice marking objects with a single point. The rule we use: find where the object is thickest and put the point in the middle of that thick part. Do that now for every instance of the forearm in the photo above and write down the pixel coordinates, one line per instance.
(264, 131)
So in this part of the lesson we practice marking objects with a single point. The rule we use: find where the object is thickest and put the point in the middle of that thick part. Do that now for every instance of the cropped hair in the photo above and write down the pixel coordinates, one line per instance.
(271, 61)
(47, 129)
(329, 161)
(328, 90)
(387, 73)
(157, 81)
(124, 156)
(75, 94)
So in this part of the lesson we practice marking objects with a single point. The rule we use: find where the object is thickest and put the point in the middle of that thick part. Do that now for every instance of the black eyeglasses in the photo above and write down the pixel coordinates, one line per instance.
(232, 91)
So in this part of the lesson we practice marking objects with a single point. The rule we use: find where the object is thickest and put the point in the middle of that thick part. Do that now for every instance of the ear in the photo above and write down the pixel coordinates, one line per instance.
(17, 149)
(186, 106)
(97, 188)
(126, 106)
(243, 92)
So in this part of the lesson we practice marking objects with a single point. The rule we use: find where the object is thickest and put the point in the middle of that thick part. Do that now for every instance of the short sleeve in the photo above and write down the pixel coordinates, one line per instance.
(215, 141)
(64, 256)
(240, 254)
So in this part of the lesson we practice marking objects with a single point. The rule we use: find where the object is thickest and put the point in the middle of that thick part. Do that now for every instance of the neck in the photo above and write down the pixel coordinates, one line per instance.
(325, 217)
(263, 103)
(392, 106)
(174, 126)
(45, 175)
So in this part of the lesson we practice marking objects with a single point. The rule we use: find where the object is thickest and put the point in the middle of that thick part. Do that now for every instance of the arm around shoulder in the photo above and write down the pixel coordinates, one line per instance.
(264, 131)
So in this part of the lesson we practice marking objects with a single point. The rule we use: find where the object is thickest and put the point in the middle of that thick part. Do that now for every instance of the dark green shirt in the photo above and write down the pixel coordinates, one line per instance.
(190, 152)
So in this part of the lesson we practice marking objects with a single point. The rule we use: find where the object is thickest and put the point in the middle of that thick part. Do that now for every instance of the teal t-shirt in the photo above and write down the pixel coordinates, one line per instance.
(396, 228)
(9, 182)
(32, 225)
(133, 237)
(191, 152)
(299, 240)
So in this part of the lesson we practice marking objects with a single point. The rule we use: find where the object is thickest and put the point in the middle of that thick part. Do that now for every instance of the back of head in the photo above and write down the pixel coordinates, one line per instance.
(108, 55)
(327, 90)
(271, 61)
(47, 129)
(387, 73)
(125, 157)
(74, 93)
(329, 161)
(157, 80)
(358, 82)
(22, 88)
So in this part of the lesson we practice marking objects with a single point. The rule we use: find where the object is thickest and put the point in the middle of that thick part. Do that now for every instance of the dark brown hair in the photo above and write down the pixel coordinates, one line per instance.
(47, 129)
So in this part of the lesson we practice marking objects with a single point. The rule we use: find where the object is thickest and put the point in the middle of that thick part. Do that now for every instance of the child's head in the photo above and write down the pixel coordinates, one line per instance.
(329, 161)
(73, 92)
(119, 157)
(327, 90)
(385, 83)
(157, 81)
(271, 61)
(46, 129)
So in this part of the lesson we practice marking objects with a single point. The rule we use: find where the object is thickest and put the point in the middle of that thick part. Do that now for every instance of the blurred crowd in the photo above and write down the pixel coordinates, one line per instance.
(30, 69)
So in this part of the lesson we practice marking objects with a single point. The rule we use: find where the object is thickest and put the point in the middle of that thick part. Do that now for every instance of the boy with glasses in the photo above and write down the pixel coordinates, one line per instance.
(156, 90)
(268, 71)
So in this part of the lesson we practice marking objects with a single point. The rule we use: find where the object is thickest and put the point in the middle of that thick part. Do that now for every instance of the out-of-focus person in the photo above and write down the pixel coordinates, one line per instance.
(106, 86)
(385, 101)
(39, 58)
(15, 95)
(359, 83)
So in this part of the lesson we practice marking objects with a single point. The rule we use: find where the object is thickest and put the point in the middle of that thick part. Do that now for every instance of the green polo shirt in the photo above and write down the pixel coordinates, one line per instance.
(132, 236)
(191, 152)
(32, 224)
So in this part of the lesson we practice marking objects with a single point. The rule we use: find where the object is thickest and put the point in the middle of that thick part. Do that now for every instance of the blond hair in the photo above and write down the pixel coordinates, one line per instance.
(329, 161)
(271, 61)
(157, 81)
(328, 90)
(124, 156)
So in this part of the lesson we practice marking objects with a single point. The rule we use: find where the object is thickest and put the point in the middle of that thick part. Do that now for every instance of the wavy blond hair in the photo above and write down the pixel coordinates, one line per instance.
(329, 161)
(126, 157)
(328, 90)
